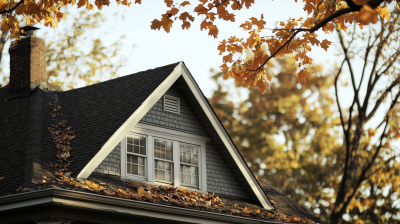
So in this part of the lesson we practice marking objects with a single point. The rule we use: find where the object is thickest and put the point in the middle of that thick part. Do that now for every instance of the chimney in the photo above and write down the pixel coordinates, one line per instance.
(27, 64)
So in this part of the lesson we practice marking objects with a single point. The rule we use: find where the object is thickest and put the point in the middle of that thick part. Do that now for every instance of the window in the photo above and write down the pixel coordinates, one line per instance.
(163, 160)
(164, 156)
(172, 104)
(136, 155)
(189, 164)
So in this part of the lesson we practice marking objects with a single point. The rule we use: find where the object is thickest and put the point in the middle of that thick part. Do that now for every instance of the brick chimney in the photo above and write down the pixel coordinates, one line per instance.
(27, 63)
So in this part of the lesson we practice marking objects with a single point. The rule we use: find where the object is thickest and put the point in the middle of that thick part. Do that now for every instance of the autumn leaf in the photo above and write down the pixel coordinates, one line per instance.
(383, 12)
(2, 178)
(366, 15)
(141, 192)
(155, 24)
(303, 75)
(325, 44)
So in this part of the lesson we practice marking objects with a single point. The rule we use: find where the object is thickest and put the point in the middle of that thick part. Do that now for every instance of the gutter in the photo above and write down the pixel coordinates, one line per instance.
(103, 203)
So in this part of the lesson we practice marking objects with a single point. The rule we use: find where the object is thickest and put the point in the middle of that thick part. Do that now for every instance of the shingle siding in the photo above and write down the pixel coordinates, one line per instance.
(220, 179)
(112, 163)
(186, 121)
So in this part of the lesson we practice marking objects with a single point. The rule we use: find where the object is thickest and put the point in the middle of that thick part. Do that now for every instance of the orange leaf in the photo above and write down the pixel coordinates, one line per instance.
(303, 75)
(141, 192)
(325, 44)
(169, 2)
(155, 24)
(185, 3)
(366, 15)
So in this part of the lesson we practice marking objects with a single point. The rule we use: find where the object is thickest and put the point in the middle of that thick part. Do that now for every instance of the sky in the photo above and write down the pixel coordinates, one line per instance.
(194, 47)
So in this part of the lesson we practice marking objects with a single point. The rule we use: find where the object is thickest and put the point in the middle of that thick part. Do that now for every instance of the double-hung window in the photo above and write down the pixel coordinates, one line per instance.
(163, 162)
(136, 155)
(157, 155)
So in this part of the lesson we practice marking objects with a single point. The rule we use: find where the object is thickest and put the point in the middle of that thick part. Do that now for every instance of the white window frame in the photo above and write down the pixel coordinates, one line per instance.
(152, 132)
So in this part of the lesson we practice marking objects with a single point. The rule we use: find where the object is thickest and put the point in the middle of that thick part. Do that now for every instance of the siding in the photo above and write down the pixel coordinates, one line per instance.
(186, 121)
(220, 179)
(112, 163)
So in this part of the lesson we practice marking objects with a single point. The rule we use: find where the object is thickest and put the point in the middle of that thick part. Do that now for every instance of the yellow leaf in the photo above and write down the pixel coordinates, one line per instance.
(366, 15)
(383, 12)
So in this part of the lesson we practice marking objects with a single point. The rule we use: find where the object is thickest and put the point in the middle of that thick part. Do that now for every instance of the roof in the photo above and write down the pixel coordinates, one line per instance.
(95, 113)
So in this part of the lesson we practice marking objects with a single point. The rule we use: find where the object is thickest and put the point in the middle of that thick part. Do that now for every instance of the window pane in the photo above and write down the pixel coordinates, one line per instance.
(163, 171)
(130, 148)
(135, 165)
(137, 145)
(163, 149)
(189, 154)
(189, 175)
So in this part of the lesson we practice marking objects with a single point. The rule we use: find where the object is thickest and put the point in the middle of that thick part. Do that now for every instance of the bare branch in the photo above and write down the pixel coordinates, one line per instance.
(338, 104)
(381, 98)
(347, 58)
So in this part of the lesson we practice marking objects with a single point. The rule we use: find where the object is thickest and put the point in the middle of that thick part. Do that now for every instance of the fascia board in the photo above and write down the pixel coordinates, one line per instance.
(226, 140)
(130, 122)
(97, 202)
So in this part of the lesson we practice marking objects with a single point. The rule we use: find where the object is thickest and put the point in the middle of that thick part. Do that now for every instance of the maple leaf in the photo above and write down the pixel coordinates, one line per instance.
(325, 44)
(155, 24)
(383, 12)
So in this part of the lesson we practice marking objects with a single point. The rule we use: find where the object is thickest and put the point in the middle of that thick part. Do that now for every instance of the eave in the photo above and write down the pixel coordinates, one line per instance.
(71, 205)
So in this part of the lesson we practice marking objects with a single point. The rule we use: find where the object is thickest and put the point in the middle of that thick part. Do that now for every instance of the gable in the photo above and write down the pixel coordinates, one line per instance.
(220, 179)
(203, 111)
(185, 122)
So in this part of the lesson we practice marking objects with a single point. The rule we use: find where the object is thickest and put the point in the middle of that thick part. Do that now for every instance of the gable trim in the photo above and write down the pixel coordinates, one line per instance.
(131, 122)
(226, 139)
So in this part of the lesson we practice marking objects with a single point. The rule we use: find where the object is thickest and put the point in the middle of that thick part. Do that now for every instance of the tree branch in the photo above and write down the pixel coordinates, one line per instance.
(338, 104)
(381, 98)
(13, 8)
(269, 58)
(353, 82)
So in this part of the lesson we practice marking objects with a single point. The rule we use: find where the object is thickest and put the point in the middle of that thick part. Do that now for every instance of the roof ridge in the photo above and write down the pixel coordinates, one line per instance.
(121, 77)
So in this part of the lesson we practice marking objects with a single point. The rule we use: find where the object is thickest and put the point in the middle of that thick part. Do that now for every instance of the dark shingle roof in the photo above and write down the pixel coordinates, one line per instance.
(285, 205)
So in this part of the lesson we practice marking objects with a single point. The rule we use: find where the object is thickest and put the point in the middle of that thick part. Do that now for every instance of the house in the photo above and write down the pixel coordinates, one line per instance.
(143, 148)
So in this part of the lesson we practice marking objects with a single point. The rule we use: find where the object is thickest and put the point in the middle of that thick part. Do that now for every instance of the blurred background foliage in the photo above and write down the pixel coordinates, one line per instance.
(77, 54)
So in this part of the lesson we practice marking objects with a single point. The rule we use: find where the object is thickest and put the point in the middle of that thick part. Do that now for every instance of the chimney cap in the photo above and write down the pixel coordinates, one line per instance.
(28, 30)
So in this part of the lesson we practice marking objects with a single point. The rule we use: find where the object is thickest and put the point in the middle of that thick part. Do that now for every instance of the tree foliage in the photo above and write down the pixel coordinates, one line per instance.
(293, 37)
(74, 56)
(335, 159)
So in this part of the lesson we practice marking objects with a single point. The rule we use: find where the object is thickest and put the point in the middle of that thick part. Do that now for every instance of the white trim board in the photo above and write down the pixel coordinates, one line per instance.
(147, 105)
(132, 121)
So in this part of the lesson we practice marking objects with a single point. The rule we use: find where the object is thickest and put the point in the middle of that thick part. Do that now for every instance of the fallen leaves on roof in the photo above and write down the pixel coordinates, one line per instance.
(168, 195)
